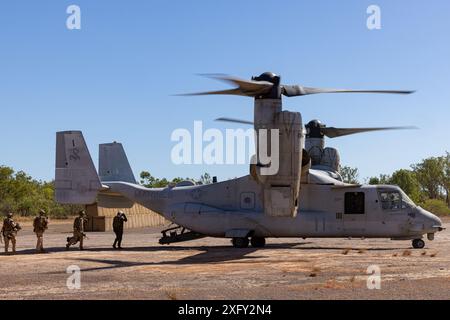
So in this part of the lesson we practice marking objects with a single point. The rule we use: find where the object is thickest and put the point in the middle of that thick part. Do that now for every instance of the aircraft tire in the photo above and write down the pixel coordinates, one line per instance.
(418, 244)
(258, 242)
(240, 242)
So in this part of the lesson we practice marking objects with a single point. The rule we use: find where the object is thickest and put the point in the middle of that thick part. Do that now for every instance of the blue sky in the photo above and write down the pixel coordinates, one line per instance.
(114, 78)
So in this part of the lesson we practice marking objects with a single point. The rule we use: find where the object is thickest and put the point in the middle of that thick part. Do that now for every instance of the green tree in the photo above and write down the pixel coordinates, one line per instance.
(430, 176)
(407, 181)
(349, 174)
(205, 179)
(149, 181)
(446, 177)
(23, 195)
(382, 179)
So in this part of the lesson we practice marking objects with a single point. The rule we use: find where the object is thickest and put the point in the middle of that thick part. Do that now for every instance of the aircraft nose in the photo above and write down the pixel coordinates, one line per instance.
(437, 222)
(433, 221)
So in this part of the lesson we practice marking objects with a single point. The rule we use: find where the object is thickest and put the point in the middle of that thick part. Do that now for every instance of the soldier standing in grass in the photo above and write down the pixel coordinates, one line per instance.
(118, 221)
(78, 230)
(9, 232)
(40, 224)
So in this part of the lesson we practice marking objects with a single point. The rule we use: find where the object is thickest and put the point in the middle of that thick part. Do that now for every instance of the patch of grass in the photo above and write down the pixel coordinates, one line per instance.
(424, 253)
(314, 272)
(433, 255)
(395, 254)
(171, 295)
(333, 284)
(346, 251)
(406, 253)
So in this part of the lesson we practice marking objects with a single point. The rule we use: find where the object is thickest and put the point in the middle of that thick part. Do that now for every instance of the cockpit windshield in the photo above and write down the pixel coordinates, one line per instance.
(395, 200)
(407, 200)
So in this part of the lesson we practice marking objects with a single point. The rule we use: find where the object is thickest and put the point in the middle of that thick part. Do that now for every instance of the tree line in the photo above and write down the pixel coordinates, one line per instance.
(25, 196)
(427, 183)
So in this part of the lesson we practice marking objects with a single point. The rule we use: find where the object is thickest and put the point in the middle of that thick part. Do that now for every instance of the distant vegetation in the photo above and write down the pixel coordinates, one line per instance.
(150, 181)
(427, 183)
(22, 195)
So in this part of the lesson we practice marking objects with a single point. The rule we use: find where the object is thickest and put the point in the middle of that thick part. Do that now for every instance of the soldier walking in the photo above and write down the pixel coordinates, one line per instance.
(118, 221)
(9, 232)
(40, 224)
(78, 230)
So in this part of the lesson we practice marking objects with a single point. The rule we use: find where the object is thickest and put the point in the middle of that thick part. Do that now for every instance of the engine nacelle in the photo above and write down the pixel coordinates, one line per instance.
(281, 188)
(331, 158)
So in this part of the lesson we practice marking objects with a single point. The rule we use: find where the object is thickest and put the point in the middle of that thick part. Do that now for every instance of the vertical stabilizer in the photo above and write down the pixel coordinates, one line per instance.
(113, 163)
(76, 180)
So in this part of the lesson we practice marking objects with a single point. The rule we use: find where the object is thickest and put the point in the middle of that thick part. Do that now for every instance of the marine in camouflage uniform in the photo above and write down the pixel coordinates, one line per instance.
(78, 230)
(9, 232)
(40, 224)
(118, 221)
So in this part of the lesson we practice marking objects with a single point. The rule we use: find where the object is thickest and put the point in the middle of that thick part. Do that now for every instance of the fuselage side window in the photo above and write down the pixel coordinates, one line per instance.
(391, 200)
(354, 203)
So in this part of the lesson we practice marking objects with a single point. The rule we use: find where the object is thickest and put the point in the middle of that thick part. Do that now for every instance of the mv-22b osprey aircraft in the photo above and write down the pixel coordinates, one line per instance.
(305, 198)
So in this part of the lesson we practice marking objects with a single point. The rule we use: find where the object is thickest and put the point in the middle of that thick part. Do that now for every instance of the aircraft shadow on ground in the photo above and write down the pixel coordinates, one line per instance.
(210, 254)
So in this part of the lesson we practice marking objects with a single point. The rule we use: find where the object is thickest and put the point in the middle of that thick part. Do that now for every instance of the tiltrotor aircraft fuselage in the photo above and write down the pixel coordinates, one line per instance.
(304, 198)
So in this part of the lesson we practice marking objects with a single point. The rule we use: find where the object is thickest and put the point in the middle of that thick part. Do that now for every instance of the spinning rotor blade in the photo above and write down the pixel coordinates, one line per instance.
(249, 88)
(235, 92)
(332, 132)
(234, 121)
(296, 90)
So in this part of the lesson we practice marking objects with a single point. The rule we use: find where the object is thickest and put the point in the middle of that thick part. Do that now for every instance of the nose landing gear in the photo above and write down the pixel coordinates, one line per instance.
(418, 244)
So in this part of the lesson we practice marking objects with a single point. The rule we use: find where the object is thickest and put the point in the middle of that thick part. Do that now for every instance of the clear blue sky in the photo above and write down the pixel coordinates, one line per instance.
(114, 78)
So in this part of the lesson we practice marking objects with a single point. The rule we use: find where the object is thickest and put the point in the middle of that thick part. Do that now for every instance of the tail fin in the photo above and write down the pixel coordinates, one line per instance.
(113, 163)
(76, 180)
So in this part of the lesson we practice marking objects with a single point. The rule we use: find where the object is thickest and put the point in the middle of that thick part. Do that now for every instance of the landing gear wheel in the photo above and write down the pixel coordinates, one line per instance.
(418, 244)
(240, 242)
(258, 242)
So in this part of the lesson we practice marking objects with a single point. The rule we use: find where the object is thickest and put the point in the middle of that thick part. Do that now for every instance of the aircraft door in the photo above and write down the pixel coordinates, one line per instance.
(354, 217)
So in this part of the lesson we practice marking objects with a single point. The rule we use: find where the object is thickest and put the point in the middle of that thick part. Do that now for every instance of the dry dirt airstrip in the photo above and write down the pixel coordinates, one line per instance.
(211, 269)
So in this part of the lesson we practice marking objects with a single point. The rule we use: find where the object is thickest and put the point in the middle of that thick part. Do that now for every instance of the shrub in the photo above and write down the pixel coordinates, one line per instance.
(436, 206)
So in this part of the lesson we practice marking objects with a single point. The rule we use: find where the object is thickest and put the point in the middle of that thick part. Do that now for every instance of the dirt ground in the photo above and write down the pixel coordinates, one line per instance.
(210, 268)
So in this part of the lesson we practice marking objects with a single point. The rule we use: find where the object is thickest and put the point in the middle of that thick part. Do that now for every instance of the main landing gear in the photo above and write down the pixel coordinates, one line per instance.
(178, 234)
(256, 242)
(418, 244)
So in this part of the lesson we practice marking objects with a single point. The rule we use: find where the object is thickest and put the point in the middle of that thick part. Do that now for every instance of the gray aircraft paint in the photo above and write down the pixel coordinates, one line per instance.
(235, 207)
(303, 197)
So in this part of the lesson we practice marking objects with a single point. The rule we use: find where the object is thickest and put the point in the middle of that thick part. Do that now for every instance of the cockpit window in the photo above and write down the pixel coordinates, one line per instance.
(407, 200)
(395, 200)
(391, 200)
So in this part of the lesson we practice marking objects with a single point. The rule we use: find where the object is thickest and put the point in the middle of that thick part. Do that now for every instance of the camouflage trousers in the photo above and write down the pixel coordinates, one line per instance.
(40, 241)
(10, 236)
(77, 237)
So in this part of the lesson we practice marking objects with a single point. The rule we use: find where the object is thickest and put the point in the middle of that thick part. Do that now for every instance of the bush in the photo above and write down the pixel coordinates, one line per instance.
(436, 206)
(25, 196)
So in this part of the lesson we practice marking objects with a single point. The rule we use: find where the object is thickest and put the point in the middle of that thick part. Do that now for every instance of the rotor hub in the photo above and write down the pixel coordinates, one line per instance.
(275, 92)
(314, 129)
